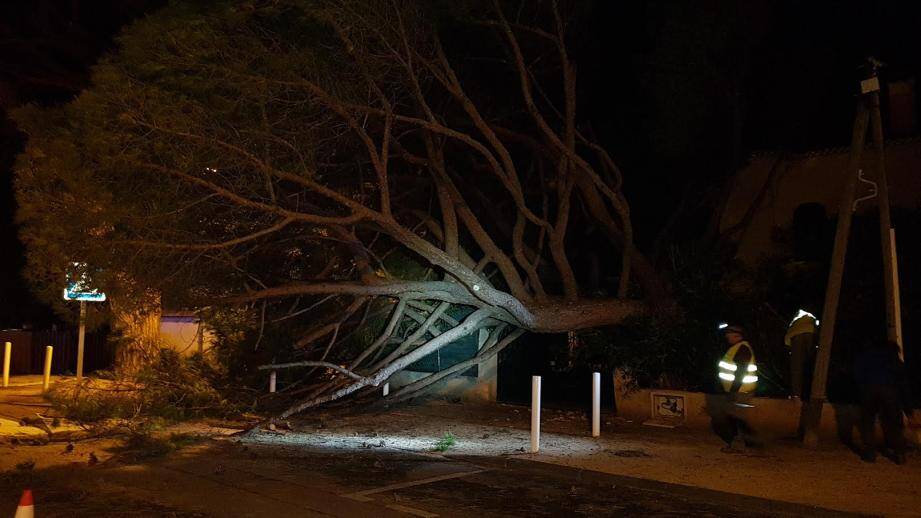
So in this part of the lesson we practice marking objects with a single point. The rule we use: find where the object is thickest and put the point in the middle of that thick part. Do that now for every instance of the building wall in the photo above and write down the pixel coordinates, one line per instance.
(182, 334)
(813, 178)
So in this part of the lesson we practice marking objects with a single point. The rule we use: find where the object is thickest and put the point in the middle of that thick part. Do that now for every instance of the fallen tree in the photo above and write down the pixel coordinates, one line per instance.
(279, 157)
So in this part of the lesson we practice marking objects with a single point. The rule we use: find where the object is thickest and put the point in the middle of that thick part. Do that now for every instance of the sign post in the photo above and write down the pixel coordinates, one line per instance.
(81, 340)
(80, 291)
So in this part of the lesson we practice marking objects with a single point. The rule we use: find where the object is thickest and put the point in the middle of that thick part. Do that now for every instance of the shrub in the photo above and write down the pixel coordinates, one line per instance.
(169, 389)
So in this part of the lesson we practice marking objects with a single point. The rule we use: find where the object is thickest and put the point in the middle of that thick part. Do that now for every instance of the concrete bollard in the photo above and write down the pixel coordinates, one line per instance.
(46, 378)
(535, 414)
(596, 404)
(272, 377)
(7, 352)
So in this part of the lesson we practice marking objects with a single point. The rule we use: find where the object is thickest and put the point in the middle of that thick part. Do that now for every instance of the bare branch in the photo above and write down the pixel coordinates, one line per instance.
(328, 365)
(470, 324)
(207, 246)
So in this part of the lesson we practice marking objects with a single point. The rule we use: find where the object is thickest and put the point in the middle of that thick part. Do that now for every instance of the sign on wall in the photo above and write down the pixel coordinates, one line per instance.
(668, 410)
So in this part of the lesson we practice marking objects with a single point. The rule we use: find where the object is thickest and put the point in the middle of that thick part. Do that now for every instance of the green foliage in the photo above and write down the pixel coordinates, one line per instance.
(141, 446)
(177, 388)
(170, 389)
(446, 442)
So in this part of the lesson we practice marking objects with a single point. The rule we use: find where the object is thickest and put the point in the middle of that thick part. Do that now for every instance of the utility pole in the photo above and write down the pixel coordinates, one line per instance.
(813, 414)
(885, 225)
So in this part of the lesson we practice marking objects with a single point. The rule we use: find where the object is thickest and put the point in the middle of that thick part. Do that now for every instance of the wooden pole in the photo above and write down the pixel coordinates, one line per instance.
(813, 413)
(885, 222)
(896, 297)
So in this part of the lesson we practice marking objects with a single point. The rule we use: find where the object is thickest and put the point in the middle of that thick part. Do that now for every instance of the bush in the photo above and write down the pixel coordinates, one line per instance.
(170, 389)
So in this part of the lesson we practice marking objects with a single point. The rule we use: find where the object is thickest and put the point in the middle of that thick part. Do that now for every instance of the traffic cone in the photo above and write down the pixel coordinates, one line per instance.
(26, 508)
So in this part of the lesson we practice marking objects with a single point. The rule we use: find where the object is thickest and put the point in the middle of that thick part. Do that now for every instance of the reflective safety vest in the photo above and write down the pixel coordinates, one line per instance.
(803, 323)
(739, 375)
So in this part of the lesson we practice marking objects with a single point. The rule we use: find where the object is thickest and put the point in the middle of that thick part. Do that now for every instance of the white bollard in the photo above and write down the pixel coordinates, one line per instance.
(535, 414)
(7, 352)
(596, 404)
(46, 378)
(272, 376)
(386, 389)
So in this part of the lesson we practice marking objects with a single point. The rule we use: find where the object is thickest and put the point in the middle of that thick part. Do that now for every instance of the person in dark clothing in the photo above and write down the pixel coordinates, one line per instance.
(801, 338)
(880, 374)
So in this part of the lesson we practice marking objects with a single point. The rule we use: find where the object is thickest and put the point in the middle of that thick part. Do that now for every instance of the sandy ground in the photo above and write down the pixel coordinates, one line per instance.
(832, 476)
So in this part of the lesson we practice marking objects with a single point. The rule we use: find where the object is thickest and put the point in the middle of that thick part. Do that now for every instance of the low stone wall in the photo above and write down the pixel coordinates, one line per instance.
(774, 417)
(771, 417)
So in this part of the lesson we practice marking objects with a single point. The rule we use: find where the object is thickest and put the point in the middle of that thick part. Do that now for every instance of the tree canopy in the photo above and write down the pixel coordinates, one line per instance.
(323, 164)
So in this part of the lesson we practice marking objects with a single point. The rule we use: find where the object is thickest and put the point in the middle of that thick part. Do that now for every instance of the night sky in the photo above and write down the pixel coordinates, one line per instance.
(681, 92)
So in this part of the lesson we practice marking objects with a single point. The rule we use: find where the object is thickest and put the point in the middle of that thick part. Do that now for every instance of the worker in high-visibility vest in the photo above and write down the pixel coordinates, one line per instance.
(800, 338)
(738, 370)
(738, 375)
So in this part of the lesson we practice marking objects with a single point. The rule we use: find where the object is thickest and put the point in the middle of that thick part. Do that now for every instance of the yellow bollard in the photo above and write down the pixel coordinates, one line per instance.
(46, 380)
(7, 351)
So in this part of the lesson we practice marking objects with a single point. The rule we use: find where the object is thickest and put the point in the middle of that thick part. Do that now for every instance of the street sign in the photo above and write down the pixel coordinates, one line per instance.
(75, 292)
(79, 289)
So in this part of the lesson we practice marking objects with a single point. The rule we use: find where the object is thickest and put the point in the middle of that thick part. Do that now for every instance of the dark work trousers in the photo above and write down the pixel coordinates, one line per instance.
(882, 400)
(729, 420)
(738, 410)
(802, 360)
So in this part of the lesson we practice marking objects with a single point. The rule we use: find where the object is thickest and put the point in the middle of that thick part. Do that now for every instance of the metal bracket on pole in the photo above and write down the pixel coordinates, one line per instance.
(874, 190)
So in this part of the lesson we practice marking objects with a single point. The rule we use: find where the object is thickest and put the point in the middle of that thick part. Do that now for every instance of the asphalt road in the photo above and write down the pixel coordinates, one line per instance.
(230, 479)
(241, 478)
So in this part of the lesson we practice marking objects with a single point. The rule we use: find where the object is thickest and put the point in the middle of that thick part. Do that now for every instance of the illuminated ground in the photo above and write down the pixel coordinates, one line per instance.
(384, 465)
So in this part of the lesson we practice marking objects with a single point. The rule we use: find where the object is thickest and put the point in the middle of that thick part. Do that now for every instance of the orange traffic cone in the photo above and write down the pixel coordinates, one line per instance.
(26, 508)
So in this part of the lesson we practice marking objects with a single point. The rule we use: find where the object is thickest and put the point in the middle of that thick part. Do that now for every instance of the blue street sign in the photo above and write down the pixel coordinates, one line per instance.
(79, 289)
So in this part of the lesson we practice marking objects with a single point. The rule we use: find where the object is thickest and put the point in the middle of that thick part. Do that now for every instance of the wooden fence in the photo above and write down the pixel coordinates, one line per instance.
(29, 351)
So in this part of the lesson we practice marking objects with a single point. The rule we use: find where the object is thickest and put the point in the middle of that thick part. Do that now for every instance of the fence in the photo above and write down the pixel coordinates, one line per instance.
(28, 351)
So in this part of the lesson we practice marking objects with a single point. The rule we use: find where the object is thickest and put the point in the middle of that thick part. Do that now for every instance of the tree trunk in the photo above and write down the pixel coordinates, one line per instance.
(139, 330)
